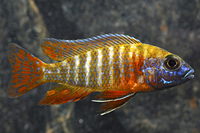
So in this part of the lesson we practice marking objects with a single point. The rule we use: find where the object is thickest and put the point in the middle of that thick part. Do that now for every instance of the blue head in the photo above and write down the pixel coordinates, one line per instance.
(166, 72)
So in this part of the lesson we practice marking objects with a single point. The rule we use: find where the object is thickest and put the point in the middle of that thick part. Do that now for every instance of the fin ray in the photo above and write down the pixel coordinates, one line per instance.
(107, 96)
(62, 49)
(63, 93)
(110, 106)
(25, 73)
(112, 100)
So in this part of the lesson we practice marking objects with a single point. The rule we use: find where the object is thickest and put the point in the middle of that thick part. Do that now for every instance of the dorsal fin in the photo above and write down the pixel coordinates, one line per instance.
(61, 49)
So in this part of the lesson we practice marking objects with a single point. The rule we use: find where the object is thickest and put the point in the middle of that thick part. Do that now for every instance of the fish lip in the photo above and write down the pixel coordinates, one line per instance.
(189, 74)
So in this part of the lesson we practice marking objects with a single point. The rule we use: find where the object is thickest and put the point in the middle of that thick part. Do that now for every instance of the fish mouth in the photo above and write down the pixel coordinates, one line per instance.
(189, 75)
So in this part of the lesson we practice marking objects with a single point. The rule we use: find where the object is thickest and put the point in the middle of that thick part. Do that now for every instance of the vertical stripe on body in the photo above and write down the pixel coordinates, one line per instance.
(76, 69)
(71, 62)
(121, 63)
(87, 68)
(116, 70)
(66, 73)
(131, 60)
(126, 65)
(82, 68)
(93, 80)
(99, 66)
(105, 68)
(111, 73)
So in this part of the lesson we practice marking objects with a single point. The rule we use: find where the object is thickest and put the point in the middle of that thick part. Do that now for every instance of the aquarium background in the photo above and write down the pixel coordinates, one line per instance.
(171, 24)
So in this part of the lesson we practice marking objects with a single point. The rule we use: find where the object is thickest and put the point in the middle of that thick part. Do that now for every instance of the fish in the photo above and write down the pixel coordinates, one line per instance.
(116, 66)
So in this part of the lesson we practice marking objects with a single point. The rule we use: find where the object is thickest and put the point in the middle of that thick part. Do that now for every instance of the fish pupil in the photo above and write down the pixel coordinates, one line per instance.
(172, 63)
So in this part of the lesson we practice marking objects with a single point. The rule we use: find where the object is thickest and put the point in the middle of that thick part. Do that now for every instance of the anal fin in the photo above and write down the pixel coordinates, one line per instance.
(113, 102)
(63, 93)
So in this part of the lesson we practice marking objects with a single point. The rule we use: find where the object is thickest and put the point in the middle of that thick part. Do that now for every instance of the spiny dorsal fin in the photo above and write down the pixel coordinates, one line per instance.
(61, 49)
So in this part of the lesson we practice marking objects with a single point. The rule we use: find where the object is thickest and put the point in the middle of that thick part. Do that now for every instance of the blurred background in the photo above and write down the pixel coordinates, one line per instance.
(171, 24)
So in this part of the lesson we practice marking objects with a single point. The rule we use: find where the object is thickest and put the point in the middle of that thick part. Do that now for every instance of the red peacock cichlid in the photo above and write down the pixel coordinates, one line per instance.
(118, 66)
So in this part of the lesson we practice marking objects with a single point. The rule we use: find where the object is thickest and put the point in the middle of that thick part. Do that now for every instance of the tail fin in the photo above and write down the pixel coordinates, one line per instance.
(27, 72)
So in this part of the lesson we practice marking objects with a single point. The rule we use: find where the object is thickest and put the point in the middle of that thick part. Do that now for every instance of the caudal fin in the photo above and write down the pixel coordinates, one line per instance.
(26, 71)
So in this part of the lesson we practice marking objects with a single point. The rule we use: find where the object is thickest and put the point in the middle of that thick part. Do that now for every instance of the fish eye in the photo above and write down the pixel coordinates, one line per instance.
(172, 63)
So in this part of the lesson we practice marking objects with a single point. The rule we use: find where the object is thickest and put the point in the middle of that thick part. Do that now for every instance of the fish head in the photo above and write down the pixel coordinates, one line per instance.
(167, 71)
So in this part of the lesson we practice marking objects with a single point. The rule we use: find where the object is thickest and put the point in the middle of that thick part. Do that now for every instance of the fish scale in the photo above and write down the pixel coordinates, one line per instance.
(116, 65)
(112, 73)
